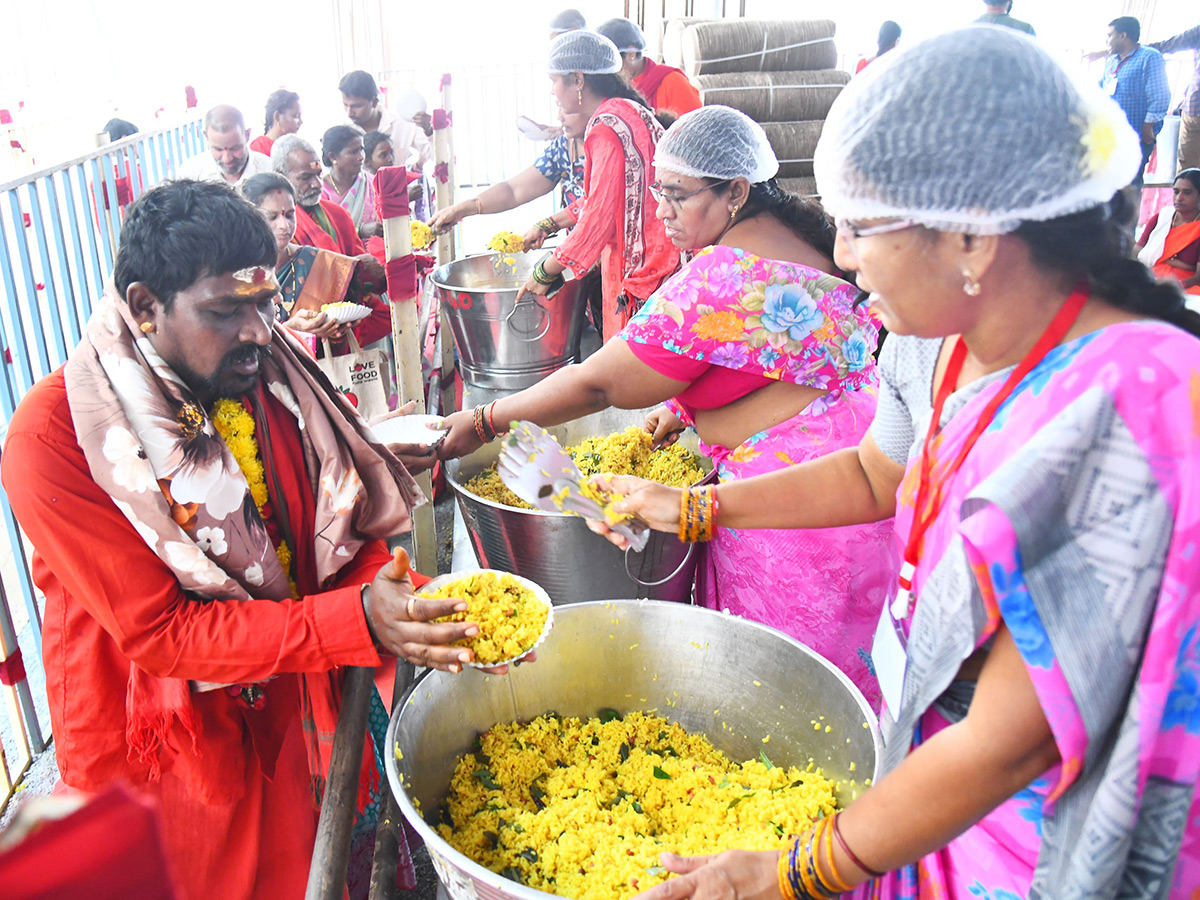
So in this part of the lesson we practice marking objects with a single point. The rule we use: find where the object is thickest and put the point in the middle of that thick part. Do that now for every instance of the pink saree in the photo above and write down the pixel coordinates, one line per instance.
(726, 316)
(1075, 522)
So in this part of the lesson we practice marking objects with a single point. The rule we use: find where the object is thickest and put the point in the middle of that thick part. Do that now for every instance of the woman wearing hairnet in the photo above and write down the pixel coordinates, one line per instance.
(1038, 439)
(614, 223)
(763, 352)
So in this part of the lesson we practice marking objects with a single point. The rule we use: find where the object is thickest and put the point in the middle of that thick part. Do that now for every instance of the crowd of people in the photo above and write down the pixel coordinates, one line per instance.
(988, 519)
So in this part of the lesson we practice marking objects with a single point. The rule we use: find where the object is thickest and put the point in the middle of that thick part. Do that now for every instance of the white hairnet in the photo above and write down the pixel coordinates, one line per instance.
(622, 32)
(567, 20)
(975, 131)
(716, 142)
(583, 51)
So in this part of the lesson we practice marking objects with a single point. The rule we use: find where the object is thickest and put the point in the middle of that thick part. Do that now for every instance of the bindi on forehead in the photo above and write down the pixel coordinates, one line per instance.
(254, 281)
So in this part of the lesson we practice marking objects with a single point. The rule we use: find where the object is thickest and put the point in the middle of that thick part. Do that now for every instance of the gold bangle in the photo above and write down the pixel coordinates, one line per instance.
(683, 517)
(478, 206)
(836, 883)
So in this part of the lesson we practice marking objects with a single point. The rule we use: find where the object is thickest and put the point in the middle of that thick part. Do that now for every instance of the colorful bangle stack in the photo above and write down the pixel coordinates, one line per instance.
(808, 870)
(698, 514)
(547, 226)
(485, 422)
(541, 276)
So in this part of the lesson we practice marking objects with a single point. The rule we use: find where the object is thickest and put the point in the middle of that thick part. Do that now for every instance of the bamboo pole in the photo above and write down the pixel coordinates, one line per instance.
(331, 852)
(406, 341)
(444, 194)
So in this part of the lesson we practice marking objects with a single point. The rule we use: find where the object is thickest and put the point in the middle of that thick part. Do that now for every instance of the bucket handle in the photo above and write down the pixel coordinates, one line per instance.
(686, 557)
(520, 334)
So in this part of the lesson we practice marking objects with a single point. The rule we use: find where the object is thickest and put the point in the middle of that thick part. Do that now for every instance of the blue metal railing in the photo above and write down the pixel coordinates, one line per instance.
(59, 232)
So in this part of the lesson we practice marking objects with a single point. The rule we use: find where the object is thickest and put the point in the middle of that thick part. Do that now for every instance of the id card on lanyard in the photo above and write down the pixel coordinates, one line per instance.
(888, 650)
(1111, 78)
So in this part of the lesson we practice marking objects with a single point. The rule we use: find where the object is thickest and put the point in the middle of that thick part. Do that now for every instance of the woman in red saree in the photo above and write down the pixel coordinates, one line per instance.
(1172, 247)
(614, 223)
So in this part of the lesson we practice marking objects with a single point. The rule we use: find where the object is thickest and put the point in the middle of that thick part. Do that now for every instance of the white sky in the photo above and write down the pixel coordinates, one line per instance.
(77, 63)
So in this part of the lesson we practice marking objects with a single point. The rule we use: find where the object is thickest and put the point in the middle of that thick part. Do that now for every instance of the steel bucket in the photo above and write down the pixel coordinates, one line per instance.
(558, 551)
(706, 669)
(503, 345)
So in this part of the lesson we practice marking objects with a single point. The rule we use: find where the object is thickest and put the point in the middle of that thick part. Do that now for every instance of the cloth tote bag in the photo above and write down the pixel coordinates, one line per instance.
(361, 375)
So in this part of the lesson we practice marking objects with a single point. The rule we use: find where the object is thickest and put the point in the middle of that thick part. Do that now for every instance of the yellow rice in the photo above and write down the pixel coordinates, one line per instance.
(613, 794)
(509, 615)
(422, 235)
(623, 453)
(506, 242)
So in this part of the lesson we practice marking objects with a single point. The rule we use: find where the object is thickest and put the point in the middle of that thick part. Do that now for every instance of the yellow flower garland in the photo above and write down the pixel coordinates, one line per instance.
(236, 427)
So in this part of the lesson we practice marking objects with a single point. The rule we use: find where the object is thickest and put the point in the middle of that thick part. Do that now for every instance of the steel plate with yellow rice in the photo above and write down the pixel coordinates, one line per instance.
(514, 615)
(583, 808)
(622, 453)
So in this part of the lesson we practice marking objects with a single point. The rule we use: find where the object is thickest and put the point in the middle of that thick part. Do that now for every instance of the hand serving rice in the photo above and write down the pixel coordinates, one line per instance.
(623, 453)
(511, 616)
(583, 809)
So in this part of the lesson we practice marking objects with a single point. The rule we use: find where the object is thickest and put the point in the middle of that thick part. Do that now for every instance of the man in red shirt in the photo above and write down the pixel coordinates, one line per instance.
(664, 87)
(207, 521)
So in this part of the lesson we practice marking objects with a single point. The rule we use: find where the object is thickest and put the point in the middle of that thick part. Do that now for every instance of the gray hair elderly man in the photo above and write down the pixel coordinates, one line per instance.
(320, 223)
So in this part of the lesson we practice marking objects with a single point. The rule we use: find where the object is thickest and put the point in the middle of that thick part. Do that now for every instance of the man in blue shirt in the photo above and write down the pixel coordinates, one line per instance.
(1136, 77)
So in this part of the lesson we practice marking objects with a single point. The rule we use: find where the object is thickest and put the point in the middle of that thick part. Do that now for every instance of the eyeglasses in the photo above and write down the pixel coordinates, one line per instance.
(853, 232)
(849, 228)
(675, 201)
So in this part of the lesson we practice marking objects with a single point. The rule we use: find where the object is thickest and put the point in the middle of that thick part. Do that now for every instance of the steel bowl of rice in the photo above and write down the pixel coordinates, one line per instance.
(514, 615)
(643, 727)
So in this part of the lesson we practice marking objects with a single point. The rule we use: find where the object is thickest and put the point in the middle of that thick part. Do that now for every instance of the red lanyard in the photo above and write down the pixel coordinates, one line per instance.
(927, 509)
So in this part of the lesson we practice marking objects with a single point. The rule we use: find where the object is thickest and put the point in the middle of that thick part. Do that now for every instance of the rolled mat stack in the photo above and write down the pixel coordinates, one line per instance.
(780, 73)
(758, 45)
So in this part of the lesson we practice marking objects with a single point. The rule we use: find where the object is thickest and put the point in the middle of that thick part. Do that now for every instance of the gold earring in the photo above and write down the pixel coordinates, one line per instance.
(971, 287)
(148, 327)
(581, 97)
(733, 213)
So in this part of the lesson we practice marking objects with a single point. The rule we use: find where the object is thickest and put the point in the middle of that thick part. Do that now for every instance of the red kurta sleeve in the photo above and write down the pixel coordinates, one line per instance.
(602, 211)
(91, 552)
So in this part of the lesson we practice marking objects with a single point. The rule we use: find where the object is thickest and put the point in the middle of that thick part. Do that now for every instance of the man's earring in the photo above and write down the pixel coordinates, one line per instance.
(148, 327)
